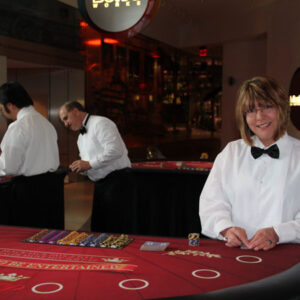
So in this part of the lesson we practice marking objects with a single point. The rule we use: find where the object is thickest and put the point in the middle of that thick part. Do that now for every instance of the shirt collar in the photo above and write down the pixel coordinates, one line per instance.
(84, 119)
(282, 143)
(24, 111)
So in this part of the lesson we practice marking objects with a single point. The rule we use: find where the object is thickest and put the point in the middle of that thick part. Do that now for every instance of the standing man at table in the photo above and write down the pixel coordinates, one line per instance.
(251, 196)
(29, 146)
(100, 144)
(104, 156)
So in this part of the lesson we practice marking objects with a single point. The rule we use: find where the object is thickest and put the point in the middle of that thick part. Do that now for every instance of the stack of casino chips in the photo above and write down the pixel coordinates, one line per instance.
(194, 239)
(78, 238)
(37, 236)
(98, 240)
(60, 235)
(68, 238)
(86, 242)
(44, 239)
(83, 239)
(121, 241)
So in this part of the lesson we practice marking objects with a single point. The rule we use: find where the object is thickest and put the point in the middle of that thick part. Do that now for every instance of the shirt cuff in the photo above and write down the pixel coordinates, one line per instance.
(94, 163)
(220, 226)
(286, 233)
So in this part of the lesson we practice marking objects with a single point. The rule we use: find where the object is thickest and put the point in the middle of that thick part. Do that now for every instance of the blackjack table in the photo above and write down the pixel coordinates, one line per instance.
(21, 197)
(209, 270)
(158, 197)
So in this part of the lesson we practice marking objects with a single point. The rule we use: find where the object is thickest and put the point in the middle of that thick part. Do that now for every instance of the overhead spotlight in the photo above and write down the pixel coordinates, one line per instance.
(94, 42)
(110, 41)
(83, 24)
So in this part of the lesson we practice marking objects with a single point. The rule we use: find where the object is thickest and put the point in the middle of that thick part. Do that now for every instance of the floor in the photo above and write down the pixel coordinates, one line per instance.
(78, 205)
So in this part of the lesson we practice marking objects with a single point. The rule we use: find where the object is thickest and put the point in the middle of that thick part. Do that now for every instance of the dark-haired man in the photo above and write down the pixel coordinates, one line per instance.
(29, 146)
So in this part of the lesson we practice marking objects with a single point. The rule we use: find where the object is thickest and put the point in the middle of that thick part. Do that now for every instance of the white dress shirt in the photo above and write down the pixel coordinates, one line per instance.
(29, 146)
(103, 147)
(254, 193)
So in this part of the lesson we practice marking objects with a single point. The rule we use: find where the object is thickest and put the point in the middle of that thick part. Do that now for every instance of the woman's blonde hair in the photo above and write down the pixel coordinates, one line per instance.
(263, 91)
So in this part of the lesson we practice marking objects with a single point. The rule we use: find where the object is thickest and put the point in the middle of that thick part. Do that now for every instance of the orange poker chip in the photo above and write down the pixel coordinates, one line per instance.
(37, 236)
(77, 239)
(68, 238)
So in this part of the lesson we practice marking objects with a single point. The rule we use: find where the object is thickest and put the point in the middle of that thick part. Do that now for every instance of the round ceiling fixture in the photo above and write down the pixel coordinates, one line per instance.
(118, 17)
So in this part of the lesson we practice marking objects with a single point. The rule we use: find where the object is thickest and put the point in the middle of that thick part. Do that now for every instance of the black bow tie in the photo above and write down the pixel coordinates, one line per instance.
(273, 151)
(82, 130)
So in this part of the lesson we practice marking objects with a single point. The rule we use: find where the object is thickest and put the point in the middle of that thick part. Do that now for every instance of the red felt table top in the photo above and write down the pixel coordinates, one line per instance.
(174, 165)
(66, 272)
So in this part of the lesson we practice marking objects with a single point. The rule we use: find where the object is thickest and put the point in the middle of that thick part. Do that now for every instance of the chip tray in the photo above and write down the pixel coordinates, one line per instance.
(79, 239)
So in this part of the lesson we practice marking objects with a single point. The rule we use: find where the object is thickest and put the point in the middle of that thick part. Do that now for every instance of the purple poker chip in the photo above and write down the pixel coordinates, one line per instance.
(100, 239)
(58, 236)
(88, 240)
(48, 236)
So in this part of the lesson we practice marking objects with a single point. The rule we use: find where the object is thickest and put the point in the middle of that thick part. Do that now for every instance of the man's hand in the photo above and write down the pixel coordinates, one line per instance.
(264, 239)
(235, 236)
(78, 166)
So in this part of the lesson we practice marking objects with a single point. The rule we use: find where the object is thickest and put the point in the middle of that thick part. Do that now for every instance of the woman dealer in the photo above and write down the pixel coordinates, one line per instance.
(252, 195)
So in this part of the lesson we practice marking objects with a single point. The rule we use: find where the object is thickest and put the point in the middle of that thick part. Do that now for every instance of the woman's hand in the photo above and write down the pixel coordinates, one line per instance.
(264, 239)
(235, 236)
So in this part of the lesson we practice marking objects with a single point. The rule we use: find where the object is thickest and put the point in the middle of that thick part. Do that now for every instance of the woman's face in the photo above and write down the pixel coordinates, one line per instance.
(263, 121)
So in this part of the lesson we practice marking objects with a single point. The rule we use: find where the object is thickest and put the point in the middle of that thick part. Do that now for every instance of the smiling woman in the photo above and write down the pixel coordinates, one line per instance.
(250, 198)
(263, 122)
(262, 110)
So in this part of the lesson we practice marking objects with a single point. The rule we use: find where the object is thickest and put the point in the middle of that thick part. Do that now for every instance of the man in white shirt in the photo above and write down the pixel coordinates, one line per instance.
(251, 196)
(100, 144)
(104, 156)
(29, 146)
